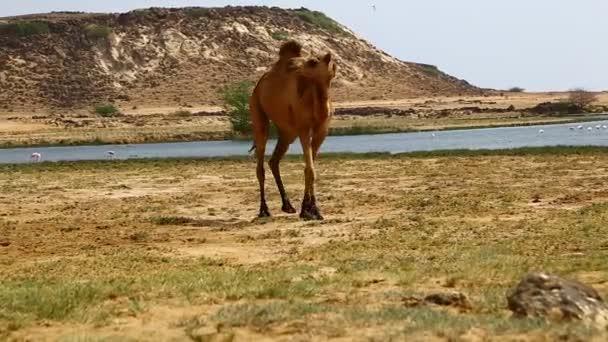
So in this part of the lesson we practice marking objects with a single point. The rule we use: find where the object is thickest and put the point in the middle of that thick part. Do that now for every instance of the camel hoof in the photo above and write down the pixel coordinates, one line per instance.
(288, 208)
(264, 213)
(311, 215)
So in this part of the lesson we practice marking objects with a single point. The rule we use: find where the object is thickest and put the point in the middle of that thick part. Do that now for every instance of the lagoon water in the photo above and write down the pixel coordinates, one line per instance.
(486, 138)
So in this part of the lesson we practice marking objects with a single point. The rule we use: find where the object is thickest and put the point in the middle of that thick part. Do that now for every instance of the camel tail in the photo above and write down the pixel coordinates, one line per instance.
(290, 49)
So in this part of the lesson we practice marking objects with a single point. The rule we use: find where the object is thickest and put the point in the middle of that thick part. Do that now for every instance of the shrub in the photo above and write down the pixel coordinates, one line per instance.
(236, 101)
(280, 35)
(95, 31)
(24, 28)
(196, 12)
(516, 90)
(107, 111)
(581, 97)
(430, 70)
(318, 19)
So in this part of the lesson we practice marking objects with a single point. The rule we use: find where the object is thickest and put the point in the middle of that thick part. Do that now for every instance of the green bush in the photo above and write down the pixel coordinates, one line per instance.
(24, 28)
(236, 101)
(280, 35)
(95, 31)
(196, 12)
(318, 19)
(516, 90)
(107, 111)
(430, 70)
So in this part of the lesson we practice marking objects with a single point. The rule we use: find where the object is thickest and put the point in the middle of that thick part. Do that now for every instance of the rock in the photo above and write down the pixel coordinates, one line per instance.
(451, 299)
(5, 243)
(455, 299)
(546, 295)
(210, 334)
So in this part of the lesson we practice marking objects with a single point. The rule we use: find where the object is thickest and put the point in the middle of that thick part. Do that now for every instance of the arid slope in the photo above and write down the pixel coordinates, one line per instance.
(180, 57)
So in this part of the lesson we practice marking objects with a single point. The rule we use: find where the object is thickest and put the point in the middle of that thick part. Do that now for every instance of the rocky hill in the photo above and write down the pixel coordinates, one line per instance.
(181, 57)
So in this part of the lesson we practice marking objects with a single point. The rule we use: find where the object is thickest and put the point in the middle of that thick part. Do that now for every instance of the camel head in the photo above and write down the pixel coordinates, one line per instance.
(321, 70)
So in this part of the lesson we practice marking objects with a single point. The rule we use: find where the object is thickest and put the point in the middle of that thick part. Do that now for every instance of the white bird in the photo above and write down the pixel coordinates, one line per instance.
(590, 128)
(580, 127)
(111, 154)
(541, 131)
(598, 126)
(433, 135)
(605, 127)
(36, 157)
(374, 7)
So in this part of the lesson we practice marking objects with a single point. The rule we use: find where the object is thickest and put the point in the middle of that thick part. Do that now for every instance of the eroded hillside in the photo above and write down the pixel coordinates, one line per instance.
(181, 57)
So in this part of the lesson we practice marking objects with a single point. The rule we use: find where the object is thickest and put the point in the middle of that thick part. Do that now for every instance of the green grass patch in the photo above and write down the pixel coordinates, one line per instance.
(280, 35)
(196, 12)
(430, 70)
(97, 31)
(318, 19)
(172, 220)
(72, 289)
(107, 111)
(24, 28)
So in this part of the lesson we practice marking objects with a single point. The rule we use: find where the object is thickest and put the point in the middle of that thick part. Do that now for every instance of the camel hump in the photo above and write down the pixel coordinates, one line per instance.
(290, 49)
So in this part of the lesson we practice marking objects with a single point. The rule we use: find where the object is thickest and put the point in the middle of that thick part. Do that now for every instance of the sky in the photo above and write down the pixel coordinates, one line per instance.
(540, 45)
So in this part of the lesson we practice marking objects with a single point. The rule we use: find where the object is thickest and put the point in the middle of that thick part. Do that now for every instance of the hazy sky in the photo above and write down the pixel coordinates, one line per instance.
(535, 44)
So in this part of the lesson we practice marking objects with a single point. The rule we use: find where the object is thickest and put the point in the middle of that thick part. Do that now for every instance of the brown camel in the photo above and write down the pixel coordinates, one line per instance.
(294, 95)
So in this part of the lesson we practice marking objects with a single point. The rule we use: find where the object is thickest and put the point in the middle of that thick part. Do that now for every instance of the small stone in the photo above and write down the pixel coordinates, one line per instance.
(5, 243)
(453, 299)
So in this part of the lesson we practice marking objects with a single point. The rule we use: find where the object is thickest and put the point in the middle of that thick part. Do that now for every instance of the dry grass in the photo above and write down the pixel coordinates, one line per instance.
(172, 246)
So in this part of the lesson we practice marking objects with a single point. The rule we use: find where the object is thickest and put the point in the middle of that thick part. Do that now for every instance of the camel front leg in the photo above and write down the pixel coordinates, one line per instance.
(309, 206)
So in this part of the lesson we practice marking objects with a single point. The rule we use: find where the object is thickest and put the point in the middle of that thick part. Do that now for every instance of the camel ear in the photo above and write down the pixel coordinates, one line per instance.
(327, 58)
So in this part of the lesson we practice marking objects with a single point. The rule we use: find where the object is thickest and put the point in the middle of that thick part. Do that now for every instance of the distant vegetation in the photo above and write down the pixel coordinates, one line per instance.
(581, 97)
(24, 28)
(96, 31)
(107, 111)
(516, 90)
(430, 70)
(318, 19)
(196, 12)
(236, 100)
(280, 35)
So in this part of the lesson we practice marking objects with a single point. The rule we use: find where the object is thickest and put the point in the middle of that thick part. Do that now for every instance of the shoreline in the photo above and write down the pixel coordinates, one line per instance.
(330, 156)
(335, 131)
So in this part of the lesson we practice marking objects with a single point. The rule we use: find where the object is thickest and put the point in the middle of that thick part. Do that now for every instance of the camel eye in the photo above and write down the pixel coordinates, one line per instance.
(312, 63)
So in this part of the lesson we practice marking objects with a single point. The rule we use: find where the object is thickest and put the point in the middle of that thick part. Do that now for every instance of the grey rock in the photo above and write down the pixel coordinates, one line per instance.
(555, 298)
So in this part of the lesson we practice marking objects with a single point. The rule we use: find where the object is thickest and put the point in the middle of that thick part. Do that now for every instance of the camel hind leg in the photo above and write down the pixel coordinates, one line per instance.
(260, 125)
(279, 151)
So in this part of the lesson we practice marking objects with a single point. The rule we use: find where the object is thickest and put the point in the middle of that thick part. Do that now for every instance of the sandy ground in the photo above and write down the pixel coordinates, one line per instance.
(158, 124)
(171, 250)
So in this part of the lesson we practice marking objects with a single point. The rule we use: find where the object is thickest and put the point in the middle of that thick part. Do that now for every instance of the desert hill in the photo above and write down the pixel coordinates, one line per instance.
(181, 57)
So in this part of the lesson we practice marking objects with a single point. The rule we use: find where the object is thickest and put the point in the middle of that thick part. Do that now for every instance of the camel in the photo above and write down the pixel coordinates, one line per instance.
(294, 95)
